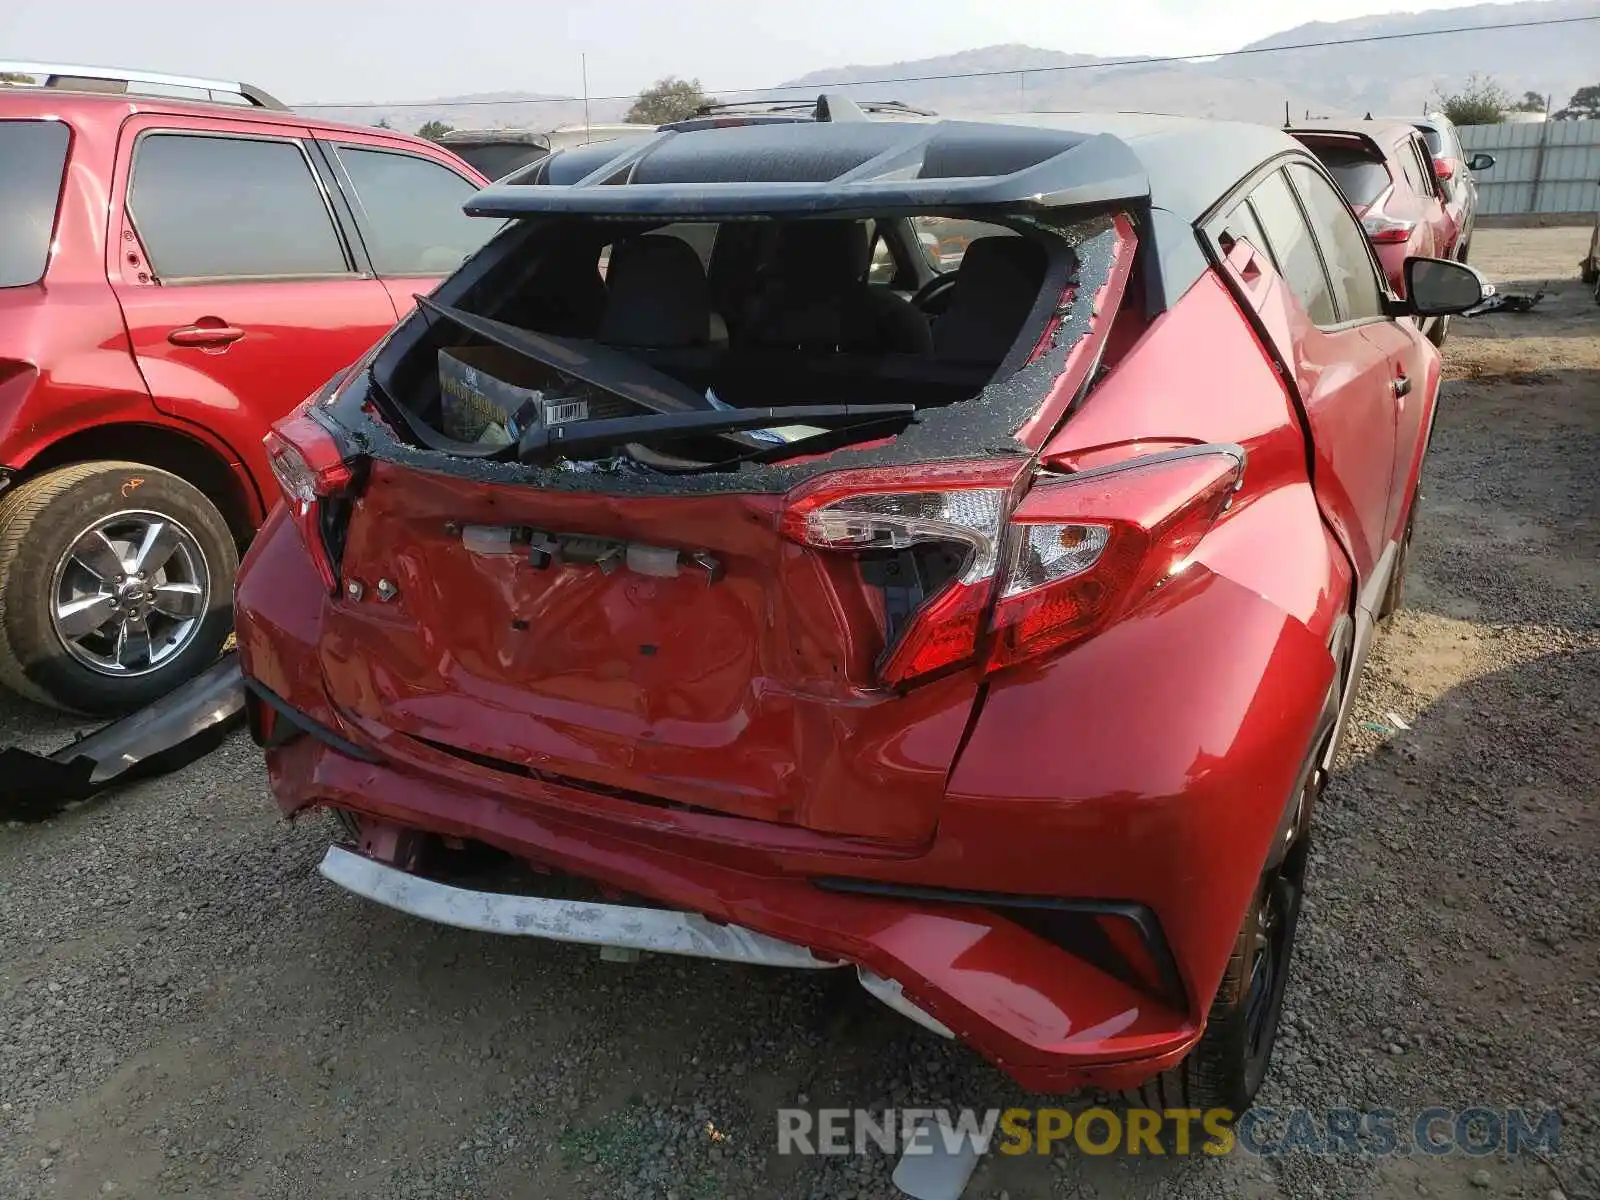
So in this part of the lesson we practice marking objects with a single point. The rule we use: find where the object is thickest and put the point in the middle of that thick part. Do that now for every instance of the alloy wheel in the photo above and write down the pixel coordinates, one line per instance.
(130, 593)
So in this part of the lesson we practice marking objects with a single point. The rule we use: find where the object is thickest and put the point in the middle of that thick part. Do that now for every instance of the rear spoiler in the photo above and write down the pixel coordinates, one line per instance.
(1366, 141)
(932, 168)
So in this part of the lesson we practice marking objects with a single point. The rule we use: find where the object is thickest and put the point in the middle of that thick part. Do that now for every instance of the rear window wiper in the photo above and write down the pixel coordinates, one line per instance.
(581, 439)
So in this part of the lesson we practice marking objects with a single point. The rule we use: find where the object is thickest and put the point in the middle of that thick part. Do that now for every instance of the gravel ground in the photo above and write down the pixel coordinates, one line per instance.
(187, 1008)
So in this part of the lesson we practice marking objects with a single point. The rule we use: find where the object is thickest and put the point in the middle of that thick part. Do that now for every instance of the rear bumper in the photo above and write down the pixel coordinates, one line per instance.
(615, 927)
(1054, 1022)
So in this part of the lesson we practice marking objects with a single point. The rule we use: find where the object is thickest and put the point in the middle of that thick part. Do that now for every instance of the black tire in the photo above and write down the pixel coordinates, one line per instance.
(1228, 1064)
(43, 519)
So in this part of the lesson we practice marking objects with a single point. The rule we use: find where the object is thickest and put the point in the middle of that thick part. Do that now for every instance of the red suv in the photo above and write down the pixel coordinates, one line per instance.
(983, 630)
(175, 276)
(1388, 174)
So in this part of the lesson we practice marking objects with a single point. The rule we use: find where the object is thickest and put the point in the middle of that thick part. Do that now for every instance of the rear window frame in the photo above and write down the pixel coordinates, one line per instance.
(353, 268)
(50, 244)
(1356, 154)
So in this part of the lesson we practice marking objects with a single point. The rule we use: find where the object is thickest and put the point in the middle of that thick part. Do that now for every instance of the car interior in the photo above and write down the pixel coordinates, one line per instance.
(768, 313)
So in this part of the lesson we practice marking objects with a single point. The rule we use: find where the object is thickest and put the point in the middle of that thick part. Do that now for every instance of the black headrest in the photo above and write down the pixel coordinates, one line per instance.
(658, 295)
(995, 289)
(822, 254)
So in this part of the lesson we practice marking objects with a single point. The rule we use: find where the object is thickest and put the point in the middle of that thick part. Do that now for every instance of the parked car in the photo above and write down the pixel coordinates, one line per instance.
(495, 153)
(1455, 173)
(175, 276)
(986, 632)
(1385, 171)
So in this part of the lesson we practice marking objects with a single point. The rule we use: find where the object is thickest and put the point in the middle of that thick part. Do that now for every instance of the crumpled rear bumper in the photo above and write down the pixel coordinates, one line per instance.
(1053, 1021)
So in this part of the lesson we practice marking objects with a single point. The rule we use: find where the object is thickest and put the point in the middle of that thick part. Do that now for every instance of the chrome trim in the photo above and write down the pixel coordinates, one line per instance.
(659, 930)
(131, 77)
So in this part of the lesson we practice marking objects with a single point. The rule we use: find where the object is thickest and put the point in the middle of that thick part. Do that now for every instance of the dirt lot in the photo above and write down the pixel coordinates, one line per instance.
(185, 1007)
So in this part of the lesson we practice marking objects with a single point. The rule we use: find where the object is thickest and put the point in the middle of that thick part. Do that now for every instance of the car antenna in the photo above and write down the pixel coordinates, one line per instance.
(1286, 122)
(838, 108)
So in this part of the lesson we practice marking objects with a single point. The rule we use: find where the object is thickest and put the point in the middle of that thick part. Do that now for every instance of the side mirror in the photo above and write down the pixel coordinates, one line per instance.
(1480, 162)
(1442, 170)
(1438, 287)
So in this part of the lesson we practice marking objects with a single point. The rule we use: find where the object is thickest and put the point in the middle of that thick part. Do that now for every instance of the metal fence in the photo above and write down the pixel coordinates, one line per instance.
(1539, 167)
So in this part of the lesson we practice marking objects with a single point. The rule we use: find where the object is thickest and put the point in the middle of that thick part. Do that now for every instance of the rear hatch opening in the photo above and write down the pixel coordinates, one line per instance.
(670, 351)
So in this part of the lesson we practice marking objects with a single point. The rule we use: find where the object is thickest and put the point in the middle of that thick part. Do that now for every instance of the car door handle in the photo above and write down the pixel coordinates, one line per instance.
(205, 335)
(1402, 387)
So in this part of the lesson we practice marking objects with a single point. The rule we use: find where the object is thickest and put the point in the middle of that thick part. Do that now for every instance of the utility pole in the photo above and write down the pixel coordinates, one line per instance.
(583, 60)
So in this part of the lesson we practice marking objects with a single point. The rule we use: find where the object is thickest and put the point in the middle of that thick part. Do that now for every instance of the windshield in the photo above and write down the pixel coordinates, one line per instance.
(1360, 177)
(34, 154)
(944, 240)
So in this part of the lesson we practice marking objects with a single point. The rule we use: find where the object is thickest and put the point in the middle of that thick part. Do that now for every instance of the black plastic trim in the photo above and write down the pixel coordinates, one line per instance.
(1092, 945)
(297, 720)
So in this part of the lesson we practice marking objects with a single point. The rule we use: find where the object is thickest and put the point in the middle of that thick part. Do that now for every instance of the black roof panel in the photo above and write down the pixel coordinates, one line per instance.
(1026, 160)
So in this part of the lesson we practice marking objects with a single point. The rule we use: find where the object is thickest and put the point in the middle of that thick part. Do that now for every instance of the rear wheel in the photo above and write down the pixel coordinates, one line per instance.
(118, 586)
(1226, 1067)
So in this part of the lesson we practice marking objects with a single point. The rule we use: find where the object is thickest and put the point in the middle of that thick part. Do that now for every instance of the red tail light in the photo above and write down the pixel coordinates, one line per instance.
(1442, 170)
(1075, 552)
(1084, 546)
(311, 468)
(956, 504)
(1384, 230)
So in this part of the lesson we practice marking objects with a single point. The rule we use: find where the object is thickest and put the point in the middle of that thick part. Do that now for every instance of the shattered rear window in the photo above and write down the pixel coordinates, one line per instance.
(735, 319)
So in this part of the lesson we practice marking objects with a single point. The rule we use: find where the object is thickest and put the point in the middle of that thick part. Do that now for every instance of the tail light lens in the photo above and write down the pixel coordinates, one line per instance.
(1442, 170)
(311, 469)
(1074, 553)
(1383, 230)
(1084, 546)
(959, 505)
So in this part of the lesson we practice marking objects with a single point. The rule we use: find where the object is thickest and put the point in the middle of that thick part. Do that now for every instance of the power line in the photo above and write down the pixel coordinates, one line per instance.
(1155, 60)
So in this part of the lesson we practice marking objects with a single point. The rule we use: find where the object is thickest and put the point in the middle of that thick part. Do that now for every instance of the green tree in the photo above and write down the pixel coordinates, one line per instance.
(1584, 105)
(434, 130)
(383, 123)
(14, 77)
(1530, 102)
(1481, 101)
(669, 99)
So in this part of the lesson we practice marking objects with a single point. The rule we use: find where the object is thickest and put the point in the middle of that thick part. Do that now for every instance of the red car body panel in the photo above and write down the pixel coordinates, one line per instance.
(742, 701)
(90, 345)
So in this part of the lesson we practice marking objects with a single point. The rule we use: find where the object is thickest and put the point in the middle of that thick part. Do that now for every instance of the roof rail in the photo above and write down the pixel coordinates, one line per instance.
(120, 81)
(822, 107)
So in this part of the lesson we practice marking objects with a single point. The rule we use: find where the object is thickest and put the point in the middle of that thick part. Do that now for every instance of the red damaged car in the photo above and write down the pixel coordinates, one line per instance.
(985, 631)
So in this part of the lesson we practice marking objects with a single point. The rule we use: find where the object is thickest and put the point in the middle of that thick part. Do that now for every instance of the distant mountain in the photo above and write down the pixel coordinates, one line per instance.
(1392, 77)
(490, 110)
(1386, 76)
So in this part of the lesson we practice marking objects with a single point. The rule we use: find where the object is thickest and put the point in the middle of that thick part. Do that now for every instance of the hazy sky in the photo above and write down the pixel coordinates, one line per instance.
(306, 51)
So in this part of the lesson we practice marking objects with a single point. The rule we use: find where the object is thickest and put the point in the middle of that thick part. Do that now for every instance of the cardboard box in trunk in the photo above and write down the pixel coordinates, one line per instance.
(489, 393)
